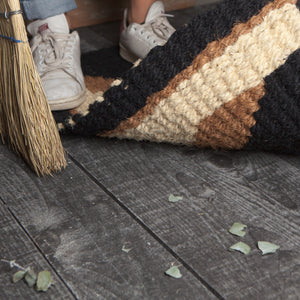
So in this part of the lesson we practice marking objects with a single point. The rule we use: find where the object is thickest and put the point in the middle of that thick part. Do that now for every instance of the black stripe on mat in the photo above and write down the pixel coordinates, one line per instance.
(277, 125)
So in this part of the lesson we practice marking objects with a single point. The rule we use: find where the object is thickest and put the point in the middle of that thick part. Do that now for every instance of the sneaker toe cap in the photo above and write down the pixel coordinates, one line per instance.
(60, 89)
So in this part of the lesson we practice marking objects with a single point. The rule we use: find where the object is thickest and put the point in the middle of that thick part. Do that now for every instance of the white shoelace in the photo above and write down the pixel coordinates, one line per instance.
(161, 26)
(54, 52)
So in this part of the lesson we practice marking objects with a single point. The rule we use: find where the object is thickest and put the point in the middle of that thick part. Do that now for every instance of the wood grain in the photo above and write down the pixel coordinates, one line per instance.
(95, 12)
(81, 231)
(219, 188)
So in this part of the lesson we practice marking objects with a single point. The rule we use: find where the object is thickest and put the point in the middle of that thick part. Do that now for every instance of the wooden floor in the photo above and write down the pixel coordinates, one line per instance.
(114, 194)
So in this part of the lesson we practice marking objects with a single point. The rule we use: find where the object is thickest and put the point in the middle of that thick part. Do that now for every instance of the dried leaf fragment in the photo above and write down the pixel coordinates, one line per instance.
(44, 281)
(12, 263)
(267, 247)
(174, 199)
(18, 276)
(242, 247)
(30, 278)
(174, 272)
(237, 229)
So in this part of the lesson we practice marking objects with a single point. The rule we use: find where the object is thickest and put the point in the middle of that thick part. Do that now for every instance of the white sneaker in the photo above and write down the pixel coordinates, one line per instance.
(136, 40)
(56, 54)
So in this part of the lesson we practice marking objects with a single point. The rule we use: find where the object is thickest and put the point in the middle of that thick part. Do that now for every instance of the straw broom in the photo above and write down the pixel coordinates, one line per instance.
(26, 121)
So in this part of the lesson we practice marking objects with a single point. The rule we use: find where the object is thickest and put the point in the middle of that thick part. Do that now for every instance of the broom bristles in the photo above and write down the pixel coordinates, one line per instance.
(26, 121)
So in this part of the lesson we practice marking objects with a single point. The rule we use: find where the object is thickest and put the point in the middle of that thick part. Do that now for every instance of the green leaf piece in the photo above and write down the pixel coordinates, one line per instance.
(267, 247)
(174, 272)
(174, 199)
(44, 281)
(242, 247)
(18, 276)
(124, 249)
(237, 229)
(30, 278)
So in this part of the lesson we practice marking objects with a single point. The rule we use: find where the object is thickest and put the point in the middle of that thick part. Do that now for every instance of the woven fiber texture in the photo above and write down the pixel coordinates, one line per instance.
(230, 79)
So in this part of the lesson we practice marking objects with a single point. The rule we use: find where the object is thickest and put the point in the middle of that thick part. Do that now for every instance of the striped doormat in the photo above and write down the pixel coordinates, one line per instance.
(230, 79)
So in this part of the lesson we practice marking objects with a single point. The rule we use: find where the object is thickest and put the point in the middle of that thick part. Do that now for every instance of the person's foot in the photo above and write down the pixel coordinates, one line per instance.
(56, 54)
(136, 40)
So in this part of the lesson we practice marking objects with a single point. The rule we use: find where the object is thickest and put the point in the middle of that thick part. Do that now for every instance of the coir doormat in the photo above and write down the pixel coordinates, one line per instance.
(230, 79)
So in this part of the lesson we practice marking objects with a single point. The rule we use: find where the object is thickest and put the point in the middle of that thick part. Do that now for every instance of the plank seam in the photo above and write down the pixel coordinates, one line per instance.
(145, 227)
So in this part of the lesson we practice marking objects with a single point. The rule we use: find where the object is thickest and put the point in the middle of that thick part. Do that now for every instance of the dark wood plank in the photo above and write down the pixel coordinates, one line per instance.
(291, 159)
(219, 188)
(81, 230)
(15, 244)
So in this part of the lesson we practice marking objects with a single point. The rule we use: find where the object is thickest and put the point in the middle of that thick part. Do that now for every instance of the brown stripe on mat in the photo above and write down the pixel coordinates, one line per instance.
(96, 84)
(229, 126)
(212, 51)
(95, 87)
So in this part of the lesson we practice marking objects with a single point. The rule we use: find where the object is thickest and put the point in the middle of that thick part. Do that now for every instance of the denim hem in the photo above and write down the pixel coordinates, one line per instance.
(42, 9)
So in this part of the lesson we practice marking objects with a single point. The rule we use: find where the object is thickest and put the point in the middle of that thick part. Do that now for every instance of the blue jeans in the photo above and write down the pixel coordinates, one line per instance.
(42, 9)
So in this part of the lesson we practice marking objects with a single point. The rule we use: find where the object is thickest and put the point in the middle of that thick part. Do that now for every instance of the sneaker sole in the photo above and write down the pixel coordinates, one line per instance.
(127, 55)
(68, 103)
